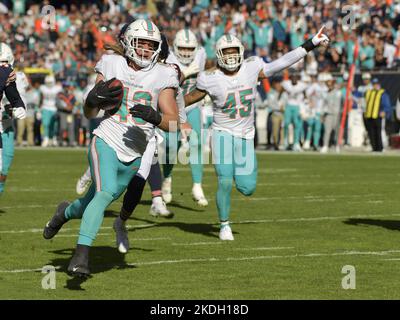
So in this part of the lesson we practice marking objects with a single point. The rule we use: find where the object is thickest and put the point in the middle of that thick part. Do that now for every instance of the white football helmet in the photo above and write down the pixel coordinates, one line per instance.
(229, 61)
(49, 80)
(6, 54)
(185, 39)
(146, 30)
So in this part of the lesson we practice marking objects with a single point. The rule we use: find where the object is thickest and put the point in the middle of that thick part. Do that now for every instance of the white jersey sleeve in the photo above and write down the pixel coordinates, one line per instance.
(101, 65)
(201, 82)
(110, 65)
(22, 86)
(171, 80)
(180, 101)
(201, 58)
(283, 62)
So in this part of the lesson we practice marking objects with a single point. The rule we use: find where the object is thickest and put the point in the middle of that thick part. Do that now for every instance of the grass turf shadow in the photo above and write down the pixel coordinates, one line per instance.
(206, 229)
(387, 224)
(101, 259)
(173, 204)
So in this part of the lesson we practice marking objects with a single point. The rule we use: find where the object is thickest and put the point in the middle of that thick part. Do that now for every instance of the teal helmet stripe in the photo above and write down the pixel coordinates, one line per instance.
(229, 38)
(187, 35)
(149, 25)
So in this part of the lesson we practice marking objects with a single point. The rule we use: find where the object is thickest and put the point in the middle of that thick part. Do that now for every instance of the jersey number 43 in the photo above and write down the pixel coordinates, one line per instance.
(130, 99)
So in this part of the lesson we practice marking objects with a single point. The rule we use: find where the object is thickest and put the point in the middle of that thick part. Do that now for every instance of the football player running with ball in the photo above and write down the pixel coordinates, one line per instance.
(232, 87)
(121, 138)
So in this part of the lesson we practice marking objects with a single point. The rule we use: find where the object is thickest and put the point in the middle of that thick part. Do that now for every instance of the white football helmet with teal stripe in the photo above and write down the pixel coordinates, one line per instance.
(185, 46)
(6, 54)
(141, 29)
(229, 61)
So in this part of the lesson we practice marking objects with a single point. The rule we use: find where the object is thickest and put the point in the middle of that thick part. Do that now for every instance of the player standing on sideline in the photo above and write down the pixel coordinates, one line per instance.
(48, 109)
(121, 138)
(232, 87)
(10, 82)
(191, 59)
(315, 94)
(295, 90)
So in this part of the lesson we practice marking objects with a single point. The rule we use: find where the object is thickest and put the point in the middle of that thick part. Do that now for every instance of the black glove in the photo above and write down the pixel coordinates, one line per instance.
(8, 109)
(102, 96)
(309, 45)
(146, 113)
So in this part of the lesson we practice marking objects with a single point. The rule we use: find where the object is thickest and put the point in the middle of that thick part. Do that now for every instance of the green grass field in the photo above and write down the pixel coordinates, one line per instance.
(310, 216)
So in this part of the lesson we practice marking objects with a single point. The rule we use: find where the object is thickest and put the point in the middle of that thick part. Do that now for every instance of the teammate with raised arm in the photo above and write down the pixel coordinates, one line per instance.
(232, 87)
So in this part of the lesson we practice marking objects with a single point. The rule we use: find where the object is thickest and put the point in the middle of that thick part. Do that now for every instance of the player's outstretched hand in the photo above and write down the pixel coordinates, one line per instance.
(319, 39)
(192, 69)
(103, 96)
(146, 113)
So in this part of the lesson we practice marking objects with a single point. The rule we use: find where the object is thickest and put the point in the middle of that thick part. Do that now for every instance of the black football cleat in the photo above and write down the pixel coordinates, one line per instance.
(54, 225)
(79, 265)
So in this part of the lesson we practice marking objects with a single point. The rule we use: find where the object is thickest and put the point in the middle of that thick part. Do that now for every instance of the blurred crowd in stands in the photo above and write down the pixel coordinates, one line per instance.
(67, 43)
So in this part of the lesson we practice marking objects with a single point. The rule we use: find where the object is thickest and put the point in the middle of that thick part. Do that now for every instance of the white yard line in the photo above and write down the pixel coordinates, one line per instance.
(317, 218)
(28, 206)
(317, 183)
(272, 220)
(35, 230)
(263, 248)
(213, 259)
(52, 190)
(77, 235)
(197, 243)
(308, 198)
(108, 234)
(308, 255)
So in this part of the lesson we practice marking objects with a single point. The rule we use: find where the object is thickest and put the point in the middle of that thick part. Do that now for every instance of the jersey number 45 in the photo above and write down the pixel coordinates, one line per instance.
(238, 103)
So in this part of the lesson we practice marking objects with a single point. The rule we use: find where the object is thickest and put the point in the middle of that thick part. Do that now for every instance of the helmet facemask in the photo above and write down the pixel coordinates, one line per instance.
(185, 46)
(185, 55)
(230, 61)
(145, 56)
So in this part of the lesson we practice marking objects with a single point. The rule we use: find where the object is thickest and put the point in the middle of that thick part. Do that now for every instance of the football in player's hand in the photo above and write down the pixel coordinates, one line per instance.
(117, 95)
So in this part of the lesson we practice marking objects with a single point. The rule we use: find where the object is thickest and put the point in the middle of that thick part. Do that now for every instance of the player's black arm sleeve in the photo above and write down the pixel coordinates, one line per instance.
(13, 96)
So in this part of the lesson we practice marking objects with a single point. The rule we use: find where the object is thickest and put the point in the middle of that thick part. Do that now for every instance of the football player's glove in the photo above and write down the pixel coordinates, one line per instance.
(8, 109)
(146, 113)
(19, 113)
(102, 96)
(317, 40)
(192, 69)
